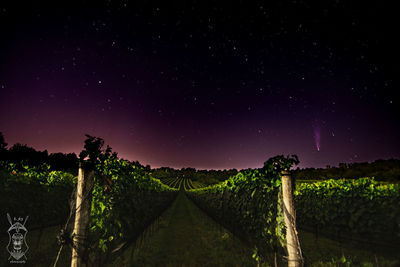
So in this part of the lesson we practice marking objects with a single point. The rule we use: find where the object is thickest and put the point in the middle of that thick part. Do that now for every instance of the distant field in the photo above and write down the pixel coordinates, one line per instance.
(182, 183)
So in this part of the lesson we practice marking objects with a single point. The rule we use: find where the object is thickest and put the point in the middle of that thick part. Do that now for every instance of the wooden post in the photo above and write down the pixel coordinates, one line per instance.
(82, 216)
(292, 241)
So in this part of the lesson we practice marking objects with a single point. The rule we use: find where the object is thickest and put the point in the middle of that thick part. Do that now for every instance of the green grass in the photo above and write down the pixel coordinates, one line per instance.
(187, 237)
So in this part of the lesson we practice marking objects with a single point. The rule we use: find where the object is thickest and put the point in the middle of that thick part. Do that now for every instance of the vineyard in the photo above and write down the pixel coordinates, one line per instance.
(181, 183)
(137, 219)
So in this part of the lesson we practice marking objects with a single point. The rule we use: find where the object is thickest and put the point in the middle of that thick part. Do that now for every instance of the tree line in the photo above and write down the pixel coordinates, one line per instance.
(382, 170)
(23, 153)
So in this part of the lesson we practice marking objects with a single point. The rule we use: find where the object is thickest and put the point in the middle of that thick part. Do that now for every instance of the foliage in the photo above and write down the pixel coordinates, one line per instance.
(39, 192)
(280, 163)
(126, 199)
(361, 207)
(249, 204)
(41, 174)
(211, 177)
(92, 149)
(382, 170)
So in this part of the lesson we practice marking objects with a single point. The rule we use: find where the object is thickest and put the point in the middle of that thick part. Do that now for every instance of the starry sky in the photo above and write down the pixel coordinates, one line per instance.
(204, 84)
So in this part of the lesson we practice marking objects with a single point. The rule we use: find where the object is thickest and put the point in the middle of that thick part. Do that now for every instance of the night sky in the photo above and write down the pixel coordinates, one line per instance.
(204, 84)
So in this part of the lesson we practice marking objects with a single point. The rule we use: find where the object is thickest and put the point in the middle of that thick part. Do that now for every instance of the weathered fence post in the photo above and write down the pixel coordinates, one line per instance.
(82, 216)
(292, 242)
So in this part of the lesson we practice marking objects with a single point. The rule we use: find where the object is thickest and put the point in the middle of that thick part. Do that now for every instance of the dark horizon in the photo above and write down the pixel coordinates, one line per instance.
(205, 86)
(181, 167)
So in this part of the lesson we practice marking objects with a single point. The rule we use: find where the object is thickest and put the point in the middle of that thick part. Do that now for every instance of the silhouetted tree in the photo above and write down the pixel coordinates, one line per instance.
(92, 149)
(21, 152)
(63, 162)
(3, 143)
(3, 147)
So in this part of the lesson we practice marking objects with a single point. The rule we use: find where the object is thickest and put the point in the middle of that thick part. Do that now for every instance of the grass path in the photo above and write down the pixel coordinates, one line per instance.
(187, 237)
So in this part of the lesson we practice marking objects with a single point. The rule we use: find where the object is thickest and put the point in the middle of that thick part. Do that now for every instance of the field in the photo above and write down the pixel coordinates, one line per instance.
(182, 183)
(137, 220)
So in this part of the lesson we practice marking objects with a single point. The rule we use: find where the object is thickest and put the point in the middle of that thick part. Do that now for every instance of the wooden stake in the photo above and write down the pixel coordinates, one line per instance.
(82, 216)
(292, 241)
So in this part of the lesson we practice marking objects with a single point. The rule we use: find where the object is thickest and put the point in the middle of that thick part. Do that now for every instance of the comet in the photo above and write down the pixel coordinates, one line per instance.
(317, 136)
